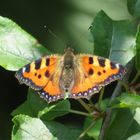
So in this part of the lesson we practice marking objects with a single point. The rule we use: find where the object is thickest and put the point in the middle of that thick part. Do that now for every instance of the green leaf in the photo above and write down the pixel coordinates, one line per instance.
(134, 137)
(95, 130)
(27, 128)
(36, 103)
(60, 109)
(137, 58)
(122, 126)
(23, 109)
(62, 132)
(31, 106)
(127, 100)
(101, 30)
(38, 107)
(104, 104)
(33, 128)
(17, 47)
(114, 39)
(134, 7)
(137, 115)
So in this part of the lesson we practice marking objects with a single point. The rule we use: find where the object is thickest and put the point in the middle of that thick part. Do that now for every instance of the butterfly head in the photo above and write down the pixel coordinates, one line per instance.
(69, 48)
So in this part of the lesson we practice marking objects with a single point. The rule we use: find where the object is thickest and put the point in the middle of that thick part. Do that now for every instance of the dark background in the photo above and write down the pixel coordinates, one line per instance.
(54, 23)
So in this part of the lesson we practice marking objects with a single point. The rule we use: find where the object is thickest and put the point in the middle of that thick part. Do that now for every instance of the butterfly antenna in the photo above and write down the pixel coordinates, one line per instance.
(78, 40)
(54, 34)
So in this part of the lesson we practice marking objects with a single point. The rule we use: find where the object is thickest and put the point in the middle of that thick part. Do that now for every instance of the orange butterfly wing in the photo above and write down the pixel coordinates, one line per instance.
(98, 72)
(38, 75)
(51, 92)
(91, 73)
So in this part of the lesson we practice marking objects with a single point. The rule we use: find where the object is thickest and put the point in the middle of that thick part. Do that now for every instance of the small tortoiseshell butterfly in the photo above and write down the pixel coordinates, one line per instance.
(69, 75)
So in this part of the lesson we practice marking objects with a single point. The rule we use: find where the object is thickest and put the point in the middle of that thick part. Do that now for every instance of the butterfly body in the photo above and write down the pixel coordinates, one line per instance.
(69, 75)
(67, 72)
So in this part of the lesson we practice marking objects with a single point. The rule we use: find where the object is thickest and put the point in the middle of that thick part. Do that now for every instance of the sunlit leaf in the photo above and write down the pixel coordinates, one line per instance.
(17, 47)
(134, 137)
(134, 7)
(127, 100)
(137, 115)
(27, 128)
(113, 39)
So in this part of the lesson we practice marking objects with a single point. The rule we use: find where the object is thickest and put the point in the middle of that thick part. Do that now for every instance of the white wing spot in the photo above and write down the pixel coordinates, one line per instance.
(23, 69)
(90, 91)
(117, 66)
(85, 94)
(58, 96)
(46, 96)
(74, 95)
(94, 89)
(43, 94)
(80, 94)
(54, 97)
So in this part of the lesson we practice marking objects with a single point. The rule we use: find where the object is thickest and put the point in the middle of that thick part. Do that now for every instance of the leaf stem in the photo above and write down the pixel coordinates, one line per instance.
(101, 97)
(135, 78)
(124, 85)
(84, 105)
(79, 112)
(85, 131)
(90, 101)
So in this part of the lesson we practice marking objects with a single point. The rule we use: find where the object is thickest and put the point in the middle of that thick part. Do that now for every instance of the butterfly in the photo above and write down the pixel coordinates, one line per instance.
(69, 75)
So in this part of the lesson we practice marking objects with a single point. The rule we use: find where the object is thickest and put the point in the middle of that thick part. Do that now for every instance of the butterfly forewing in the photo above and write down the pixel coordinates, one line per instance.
(98, 72)
(37, 74)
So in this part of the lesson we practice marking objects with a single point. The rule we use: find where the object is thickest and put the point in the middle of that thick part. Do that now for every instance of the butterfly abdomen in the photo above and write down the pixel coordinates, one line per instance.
(67, 75)
(67, 80)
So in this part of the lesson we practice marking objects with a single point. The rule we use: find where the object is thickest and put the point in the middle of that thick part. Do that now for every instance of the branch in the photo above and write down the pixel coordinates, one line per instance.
(116, 92)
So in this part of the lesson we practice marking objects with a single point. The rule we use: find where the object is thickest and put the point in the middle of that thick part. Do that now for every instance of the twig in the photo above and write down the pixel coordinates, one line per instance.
(84, 105)
(90, 126)
(136, 77)
(101, 97)
(79, 112)
(116, 92)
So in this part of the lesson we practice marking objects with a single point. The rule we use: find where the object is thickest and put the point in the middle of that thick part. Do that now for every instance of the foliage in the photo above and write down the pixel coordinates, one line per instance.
(35, 119)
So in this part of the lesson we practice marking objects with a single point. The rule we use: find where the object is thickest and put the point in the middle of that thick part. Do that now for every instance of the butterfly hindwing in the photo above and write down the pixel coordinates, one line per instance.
(51, 92)
(98, 72)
